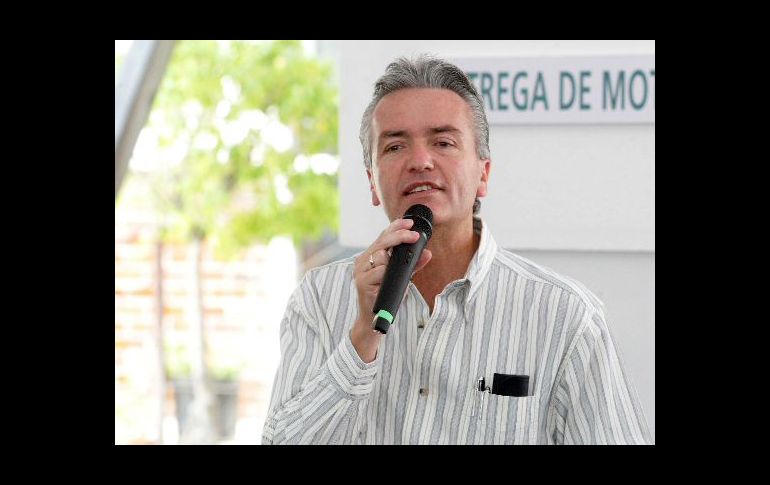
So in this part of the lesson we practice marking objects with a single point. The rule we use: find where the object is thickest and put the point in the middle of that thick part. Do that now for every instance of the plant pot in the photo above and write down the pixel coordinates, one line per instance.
(225, 408)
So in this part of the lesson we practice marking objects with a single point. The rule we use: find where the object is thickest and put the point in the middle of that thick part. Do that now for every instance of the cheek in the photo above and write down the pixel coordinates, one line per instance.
(389, 179)
(381, 184)
(473, 178)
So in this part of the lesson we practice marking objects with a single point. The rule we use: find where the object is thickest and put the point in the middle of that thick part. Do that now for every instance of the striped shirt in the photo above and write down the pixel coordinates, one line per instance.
(507, 316)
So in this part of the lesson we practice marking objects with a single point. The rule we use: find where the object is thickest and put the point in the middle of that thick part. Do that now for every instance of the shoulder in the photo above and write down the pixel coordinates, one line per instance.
(313, 295)
(529, 270)
(321, 279)
(335, 267)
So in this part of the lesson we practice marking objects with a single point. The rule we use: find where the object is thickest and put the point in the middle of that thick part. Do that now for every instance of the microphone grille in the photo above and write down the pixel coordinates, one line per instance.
(423, 218)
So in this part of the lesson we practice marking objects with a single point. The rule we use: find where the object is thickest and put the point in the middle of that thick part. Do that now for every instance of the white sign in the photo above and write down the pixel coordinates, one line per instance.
(554, 90)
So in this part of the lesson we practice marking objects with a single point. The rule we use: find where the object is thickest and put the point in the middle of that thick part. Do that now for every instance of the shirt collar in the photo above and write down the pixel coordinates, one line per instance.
(482, 260)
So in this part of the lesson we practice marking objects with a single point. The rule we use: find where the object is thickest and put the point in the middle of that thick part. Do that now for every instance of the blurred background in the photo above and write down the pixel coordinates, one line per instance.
(228, 184)
(227, 194)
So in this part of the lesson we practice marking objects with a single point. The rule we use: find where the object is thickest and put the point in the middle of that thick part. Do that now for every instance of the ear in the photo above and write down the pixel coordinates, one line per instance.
(372, 188)
(486, 165)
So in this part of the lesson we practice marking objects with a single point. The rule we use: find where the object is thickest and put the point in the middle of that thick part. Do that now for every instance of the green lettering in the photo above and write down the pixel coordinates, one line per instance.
(540, 92)
(486, 87)
(524, 91)
(631, 84)
(562, 77)
(501, 89)
(613, 95)
(584, 89)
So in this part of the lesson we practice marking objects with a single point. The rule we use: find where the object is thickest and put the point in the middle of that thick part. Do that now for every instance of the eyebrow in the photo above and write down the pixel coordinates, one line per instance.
(433, 131)
(392, 134)
(445, 129)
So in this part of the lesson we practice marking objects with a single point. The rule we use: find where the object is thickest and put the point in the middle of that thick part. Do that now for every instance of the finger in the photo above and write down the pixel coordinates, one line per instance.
(395, 226)
(425, 258)
(374, 259)
(380, 257)
(402, 223)
(392, 239)
(374, 276)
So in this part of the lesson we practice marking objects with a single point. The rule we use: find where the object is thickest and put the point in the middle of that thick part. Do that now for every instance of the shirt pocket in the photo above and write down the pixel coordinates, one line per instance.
(510, 420)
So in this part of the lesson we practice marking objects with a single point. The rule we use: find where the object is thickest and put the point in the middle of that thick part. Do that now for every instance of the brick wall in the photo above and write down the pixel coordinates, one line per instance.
(243, 302)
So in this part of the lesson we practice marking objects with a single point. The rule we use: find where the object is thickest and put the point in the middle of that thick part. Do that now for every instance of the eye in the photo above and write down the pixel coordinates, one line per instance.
(444, 144)
(393, 148)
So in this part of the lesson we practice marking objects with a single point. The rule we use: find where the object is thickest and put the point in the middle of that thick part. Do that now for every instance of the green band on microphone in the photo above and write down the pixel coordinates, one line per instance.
(386, 315)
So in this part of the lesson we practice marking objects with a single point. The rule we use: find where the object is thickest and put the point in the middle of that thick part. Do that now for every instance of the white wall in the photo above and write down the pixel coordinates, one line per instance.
(576, 198)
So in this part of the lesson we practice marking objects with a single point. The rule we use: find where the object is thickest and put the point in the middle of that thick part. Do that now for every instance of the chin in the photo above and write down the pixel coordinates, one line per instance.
(401, 209)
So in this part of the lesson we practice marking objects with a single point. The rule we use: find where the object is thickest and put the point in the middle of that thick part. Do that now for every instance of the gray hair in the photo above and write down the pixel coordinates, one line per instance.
(427, 72)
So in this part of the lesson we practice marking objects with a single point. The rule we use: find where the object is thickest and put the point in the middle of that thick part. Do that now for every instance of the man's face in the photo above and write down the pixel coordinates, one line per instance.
(425, 137)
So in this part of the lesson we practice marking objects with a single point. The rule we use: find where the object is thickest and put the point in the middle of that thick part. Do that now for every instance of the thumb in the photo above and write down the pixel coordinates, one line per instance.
(425, 257)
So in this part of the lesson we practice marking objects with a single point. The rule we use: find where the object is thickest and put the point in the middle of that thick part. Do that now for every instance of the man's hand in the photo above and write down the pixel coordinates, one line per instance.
(368, 273)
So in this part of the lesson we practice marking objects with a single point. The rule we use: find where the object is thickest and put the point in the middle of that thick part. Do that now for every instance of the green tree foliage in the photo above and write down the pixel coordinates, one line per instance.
(226, 101)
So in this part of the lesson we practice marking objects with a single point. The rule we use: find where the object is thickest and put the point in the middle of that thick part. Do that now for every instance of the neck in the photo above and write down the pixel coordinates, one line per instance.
(453, 247)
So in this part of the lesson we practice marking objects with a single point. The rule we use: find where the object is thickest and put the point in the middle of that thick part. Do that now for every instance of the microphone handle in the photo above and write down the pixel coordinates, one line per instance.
(401, 265)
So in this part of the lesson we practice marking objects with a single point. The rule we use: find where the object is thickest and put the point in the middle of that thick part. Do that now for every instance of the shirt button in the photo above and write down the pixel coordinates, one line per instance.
(423, 391)
(421, 324)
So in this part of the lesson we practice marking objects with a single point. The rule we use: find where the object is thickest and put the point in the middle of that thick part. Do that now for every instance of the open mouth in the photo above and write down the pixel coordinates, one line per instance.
(422, 189)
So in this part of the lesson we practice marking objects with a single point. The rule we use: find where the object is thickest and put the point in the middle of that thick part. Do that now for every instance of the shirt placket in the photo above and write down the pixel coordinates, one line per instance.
(417, 340)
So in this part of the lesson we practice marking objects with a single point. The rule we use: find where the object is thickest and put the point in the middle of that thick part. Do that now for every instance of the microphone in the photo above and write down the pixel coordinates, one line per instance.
(402, 261)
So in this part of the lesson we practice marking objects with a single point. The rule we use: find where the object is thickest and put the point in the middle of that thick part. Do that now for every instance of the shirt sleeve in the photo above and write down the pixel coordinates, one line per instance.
(319, 393)
(595, 402)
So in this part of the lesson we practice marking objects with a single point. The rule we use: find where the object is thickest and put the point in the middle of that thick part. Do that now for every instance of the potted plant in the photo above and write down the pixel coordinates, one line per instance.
(223, 372)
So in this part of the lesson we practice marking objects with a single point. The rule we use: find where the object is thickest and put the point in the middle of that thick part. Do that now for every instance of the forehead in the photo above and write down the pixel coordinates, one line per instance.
(417, 109)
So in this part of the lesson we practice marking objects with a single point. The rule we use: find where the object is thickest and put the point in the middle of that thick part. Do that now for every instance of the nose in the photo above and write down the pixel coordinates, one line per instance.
(420, 159)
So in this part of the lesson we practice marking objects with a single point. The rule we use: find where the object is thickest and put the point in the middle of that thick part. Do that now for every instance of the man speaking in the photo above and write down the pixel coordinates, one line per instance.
(486, 347)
